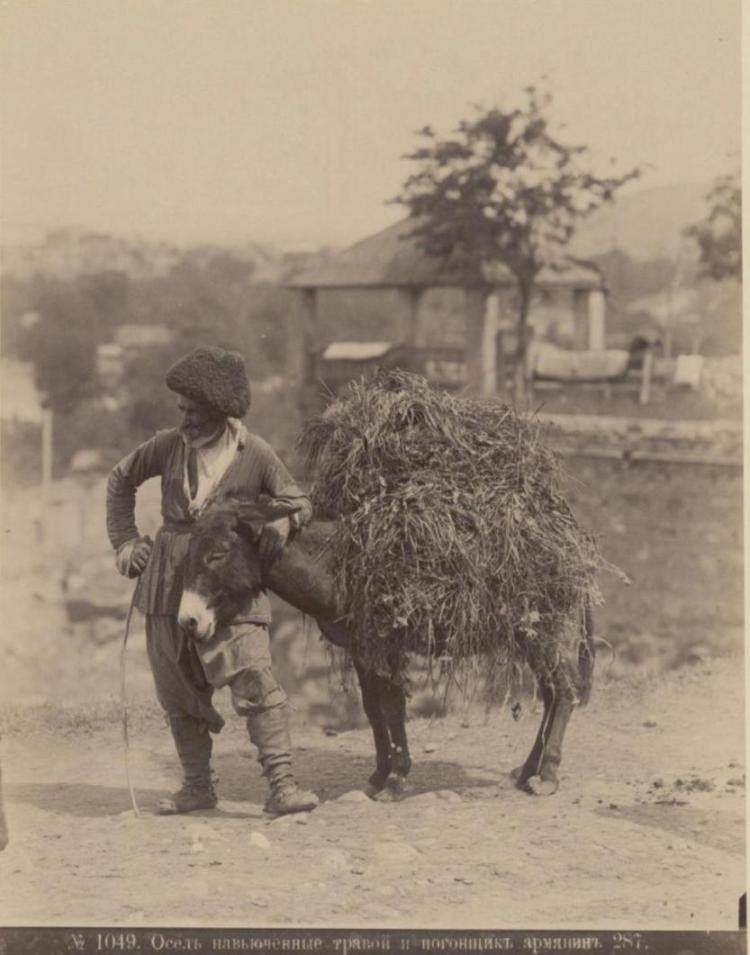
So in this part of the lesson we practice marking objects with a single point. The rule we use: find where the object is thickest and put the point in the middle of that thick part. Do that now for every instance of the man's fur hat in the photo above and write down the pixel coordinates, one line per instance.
(214, 377)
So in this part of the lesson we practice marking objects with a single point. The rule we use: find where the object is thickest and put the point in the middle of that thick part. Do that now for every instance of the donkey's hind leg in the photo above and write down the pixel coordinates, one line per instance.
(545, 783)
(538, 775)
(568, 687)
(533, 763)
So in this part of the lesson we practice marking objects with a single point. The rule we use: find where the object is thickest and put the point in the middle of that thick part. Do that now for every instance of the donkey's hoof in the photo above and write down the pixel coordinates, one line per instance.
(520, 776)
(398, 785)
(396, 788)
(541, 787)
(376, 782)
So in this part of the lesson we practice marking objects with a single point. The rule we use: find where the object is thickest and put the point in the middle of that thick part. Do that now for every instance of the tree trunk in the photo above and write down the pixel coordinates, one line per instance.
(520, 378)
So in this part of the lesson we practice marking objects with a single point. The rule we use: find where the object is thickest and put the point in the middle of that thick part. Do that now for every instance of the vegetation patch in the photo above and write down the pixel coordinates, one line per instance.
(455, 540)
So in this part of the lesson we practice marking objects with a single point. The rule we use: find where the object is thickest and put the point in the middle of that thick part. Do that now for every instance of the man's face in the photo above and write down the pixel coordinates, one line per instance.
(198, 420)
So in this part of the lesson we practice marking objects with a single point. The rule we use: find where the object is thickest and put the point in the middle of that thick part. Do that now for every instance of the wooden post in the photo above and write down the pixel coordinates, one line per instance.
(581, 318)
(475, 321)
(501, 370)
(41, 522)
(489, 346)
(46, 452)
(302, 350)
(596, 311)
(309, 328)
(647, 372)
(410, 327)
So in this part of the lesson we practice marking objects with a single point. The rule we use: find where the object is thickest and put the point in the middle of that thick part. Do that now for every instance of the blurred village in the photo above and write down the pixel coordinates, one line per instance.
(634, 364)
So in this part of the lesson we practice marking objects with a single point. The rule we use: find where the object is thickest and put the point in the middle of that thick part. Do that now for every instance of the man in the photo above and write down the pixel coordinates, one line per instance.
(210, 452)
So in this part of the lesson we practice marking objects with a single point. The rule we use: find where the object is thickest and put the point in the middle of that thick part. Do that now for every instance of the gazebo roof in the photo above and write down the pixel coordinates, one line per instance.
(390, 259)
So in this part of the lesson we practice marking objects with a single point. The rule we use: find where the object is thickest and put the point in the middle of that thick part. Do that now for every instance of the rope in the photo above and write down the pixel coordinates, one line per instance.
(124, 702)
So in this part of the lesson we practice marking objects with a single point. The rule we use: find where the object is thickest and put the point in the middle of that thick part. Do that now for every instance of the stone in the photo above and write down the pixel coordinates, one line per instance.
(448, 795)
(424, 797)
(334, 859)
(698, 654)
(259, 841)
(430, 748)
(398, 852)
(354, 795)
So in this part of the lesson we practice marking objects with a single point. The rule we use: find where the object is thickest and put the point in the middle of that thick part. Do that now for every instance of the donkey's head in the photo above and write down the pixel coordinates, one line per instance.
(223, 569)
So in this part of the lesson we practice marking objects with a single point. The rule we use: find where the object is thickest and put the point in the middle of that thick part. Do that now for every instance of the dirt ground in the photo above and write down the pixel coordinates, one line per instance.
(646, 831)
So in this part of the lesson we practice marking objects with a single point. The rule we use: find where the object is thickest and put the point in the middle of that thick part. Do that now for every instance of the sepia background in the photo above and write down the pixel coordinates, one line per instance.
(179, 173)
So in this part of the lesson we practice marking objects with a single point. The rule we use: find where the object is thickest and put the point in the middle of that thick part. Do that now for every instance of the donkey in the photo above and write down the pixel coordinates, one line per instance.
(223, 568)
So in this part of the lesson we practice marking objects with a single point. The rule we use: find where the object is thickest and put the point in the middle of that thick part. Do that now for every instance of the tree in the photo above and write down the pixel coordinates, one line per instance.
(504, 189)
(109, 292)
(719, 235)
(62, 345)
(60, 341)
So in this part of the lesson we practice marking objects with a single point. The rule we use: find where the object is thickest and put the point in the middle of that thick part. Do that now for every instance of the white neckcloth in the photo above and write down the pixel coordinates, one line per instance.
(212, 460)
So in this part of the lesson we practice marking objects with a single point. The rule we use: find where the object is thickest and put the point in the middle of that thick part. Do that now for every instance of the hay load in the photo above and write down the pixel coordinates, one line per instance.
(454, 539)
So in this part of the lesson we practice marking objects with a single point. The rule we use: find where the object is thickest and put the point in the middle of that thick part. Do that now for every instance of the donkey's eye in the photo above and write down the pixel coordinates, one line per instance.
(216, 557)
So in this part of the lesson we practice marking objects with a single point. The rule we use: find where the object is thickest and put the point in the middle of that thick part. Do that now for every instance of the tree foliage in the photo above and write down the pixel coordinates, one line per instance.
(504, 188)
(61, 344)
(719, 235)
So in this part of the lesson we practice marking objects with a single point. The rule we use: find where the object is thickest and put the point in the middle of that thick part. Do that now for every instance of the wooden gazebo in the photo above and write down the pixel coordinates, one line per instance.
(391, 263)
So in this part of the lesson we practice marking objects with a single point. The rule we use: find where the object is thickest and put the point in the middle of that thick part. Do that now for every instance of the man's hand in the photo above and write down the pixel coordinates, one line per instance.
(273, 537)
(140, 555)
(133, 556)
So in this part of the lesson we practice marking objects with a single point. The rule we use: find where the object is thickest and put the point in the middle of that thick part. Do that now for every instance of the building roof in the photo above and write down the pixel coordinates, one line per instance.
(391, 259)
(143, 335)
(356, 351)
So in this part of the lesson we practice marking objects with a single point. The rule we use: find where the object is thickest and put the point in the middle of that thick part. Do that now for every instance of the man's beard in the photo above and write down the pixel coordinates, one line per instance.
(196, 436)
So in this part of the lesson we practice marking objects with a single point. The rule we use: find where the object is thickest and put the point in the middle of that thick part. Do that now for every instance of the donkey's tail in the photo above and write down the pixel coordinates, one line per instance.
(586, 656)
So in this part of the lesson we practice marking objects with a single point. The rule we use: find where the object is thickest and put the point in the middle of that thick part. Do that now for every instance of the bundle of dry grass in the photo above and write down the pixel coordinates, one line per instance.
(454, 539)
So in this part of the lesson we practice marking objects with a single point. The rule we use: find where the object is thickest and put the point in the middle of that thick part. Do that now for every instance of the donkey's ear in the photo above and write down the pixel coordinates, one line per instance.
(276, 509)
(253, 515)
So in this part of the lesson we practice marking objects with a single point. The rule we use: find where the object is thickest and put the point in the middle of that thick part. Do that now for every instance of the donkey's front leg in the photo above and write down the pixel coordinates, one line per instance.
(370, 690)
(393, 707)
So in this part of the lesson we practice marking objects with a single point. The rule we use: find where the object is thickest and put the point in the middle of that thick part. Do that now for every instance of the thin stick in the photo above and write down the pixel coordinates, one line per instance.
(124, 701)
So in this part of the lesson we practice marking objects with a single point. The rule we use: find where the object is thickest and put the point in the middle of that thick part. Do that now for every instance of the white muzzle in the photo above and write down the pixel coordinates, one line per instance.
(195, 616)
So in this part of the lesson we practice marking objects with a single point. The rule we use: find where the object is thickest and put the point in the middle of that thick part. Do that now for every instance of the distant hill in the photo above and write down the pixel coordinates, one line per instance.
(646, 225)
(67, 253)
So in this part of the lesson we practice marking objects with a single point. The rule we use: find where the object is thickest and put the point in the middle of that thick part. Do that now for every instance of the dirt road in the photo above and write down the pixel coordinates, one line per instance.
(646, 831)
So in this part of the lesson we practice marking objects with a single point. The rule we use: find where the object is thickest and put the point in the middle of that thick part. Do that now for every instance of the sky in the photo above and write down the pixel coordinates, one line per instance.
(286, 121)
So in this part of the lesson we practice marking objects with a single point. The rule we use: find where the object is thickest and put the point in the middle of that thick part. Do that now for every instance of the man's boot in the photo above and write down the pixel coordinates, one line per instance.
(193, 742)
(269, 731)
